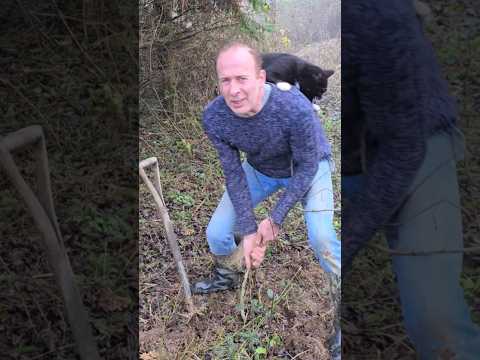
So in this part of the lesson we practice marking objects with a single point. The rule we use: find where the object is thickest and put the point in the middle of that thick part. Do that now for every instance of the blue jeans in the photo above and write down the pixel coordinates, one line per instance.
(318, 210)
(435, 314)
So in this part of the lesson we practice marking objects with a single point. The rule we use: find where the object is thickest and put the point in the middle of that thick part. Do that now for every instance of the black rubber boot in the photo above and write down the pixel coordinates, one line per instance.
(227, 272)
(222, 279)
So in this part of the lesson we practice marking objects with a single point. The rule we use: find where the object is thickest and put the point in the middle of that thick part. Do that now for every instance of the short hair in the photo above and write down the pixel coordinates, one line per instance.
(257, 58)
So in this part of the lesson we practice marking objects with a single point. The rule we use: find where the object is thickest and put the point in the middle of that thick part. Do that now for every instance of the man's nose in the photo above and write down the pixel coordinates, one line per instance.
(234, 88)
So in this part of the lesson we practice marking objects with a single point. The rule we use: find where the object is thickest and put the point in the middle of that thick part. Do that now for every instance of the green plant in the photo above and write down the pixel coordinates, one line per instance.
(181, 199)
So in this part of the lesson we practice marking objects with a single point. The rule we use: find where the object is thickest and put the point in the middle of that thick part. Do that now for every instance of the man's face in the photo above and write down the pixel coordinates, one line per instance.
(240, 82)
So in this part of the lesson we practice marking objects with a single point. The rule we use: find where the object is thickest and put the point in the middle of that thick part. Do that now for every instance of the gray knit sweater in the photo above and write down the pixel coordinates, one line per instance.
(284, 135)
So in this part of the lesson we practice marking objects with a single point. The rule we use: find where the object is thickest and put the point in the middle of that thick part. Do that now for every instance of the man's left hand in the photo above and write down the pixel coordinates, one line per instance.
(268, 230)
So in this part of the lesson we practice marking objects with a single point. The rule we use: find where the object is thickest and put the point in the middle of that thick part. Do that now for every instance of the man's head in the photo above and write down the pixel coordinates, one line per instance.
(241, 78)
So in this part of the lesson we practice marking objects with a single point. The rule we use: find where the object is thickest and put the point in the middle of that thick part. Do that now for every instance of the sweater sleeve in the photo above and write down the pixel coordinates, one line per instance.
(236, 183)
(303, 143)
(391, 98)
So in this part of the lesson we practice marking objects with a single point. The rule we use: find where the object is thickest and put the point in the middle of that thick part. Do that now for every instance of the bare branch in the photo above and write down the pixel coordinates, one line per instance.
(473, 249)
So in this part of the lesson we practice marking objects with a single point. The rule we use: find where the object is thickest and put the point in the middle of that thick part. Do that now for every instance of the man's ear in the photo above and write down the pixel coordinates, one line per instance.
(262, 75)
(328, 73)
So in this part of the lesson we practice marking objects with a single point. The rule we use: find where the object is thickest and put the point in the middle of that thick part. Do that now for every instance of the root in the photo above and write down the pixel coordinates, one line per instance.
(242, 296)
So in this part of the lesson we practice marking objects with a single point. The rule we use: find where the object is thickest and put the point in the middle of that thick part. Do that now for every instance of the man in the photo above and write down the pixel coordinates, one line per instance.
(398, 117)
(285, 146)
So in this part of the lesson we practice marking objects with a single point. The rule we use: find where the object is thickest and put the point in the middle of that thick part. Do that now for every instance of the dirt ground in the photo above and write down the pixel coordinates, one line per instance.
(288, 302)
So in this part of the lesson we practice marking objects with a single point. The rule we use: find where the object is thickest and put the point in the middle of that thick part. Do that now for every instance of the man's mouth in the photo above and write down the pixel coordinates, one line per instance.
(237, 103)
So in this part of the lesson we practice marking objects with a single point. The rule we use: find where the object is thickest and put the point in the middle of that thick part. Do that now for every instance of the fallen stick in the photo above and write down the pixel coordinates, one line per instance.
(42, 209)
(156, 191)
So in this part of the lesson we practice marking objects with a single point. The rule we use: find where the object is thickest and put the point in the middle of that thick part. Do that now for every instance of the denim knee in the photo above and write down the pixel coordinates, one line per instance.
(320, 238)
(326, 247)
(219, 241)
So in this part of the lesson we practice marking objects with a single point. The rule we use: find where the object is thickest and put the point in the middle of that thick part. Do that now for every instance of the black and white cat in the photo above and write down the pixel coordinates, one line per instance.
(311, 79)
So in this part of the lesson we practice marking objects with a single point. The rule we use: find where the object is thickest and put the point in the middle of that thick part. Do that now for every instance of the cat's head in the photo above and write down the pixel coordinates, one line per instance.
(314, 81)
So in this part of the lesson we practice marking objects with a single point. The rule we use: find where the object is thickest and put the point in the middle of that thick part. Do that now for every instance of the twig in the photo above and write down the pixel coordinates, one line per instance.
(323, 210)
(80, 47)
(194, 212)
(20, 94)
(172, 19)
(303, 352)
(473, 249)
(186, 37)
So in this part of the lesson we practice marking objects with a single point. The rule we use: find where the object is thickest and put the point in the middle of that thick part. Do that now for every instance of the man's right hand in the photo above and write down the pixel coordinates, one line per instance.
(253, 250)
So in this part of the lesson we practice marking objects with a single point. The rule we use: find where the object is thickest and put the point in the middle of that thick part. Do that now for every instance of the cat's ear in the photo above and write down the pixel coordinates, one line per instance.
(328, 73)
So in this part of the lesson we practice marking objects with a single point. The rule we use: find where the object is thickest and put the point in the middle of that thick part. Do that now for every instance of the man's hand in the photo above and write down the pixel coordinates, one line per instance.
(252, 250)
(255, 245)
(258, 254)
(268, 231)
